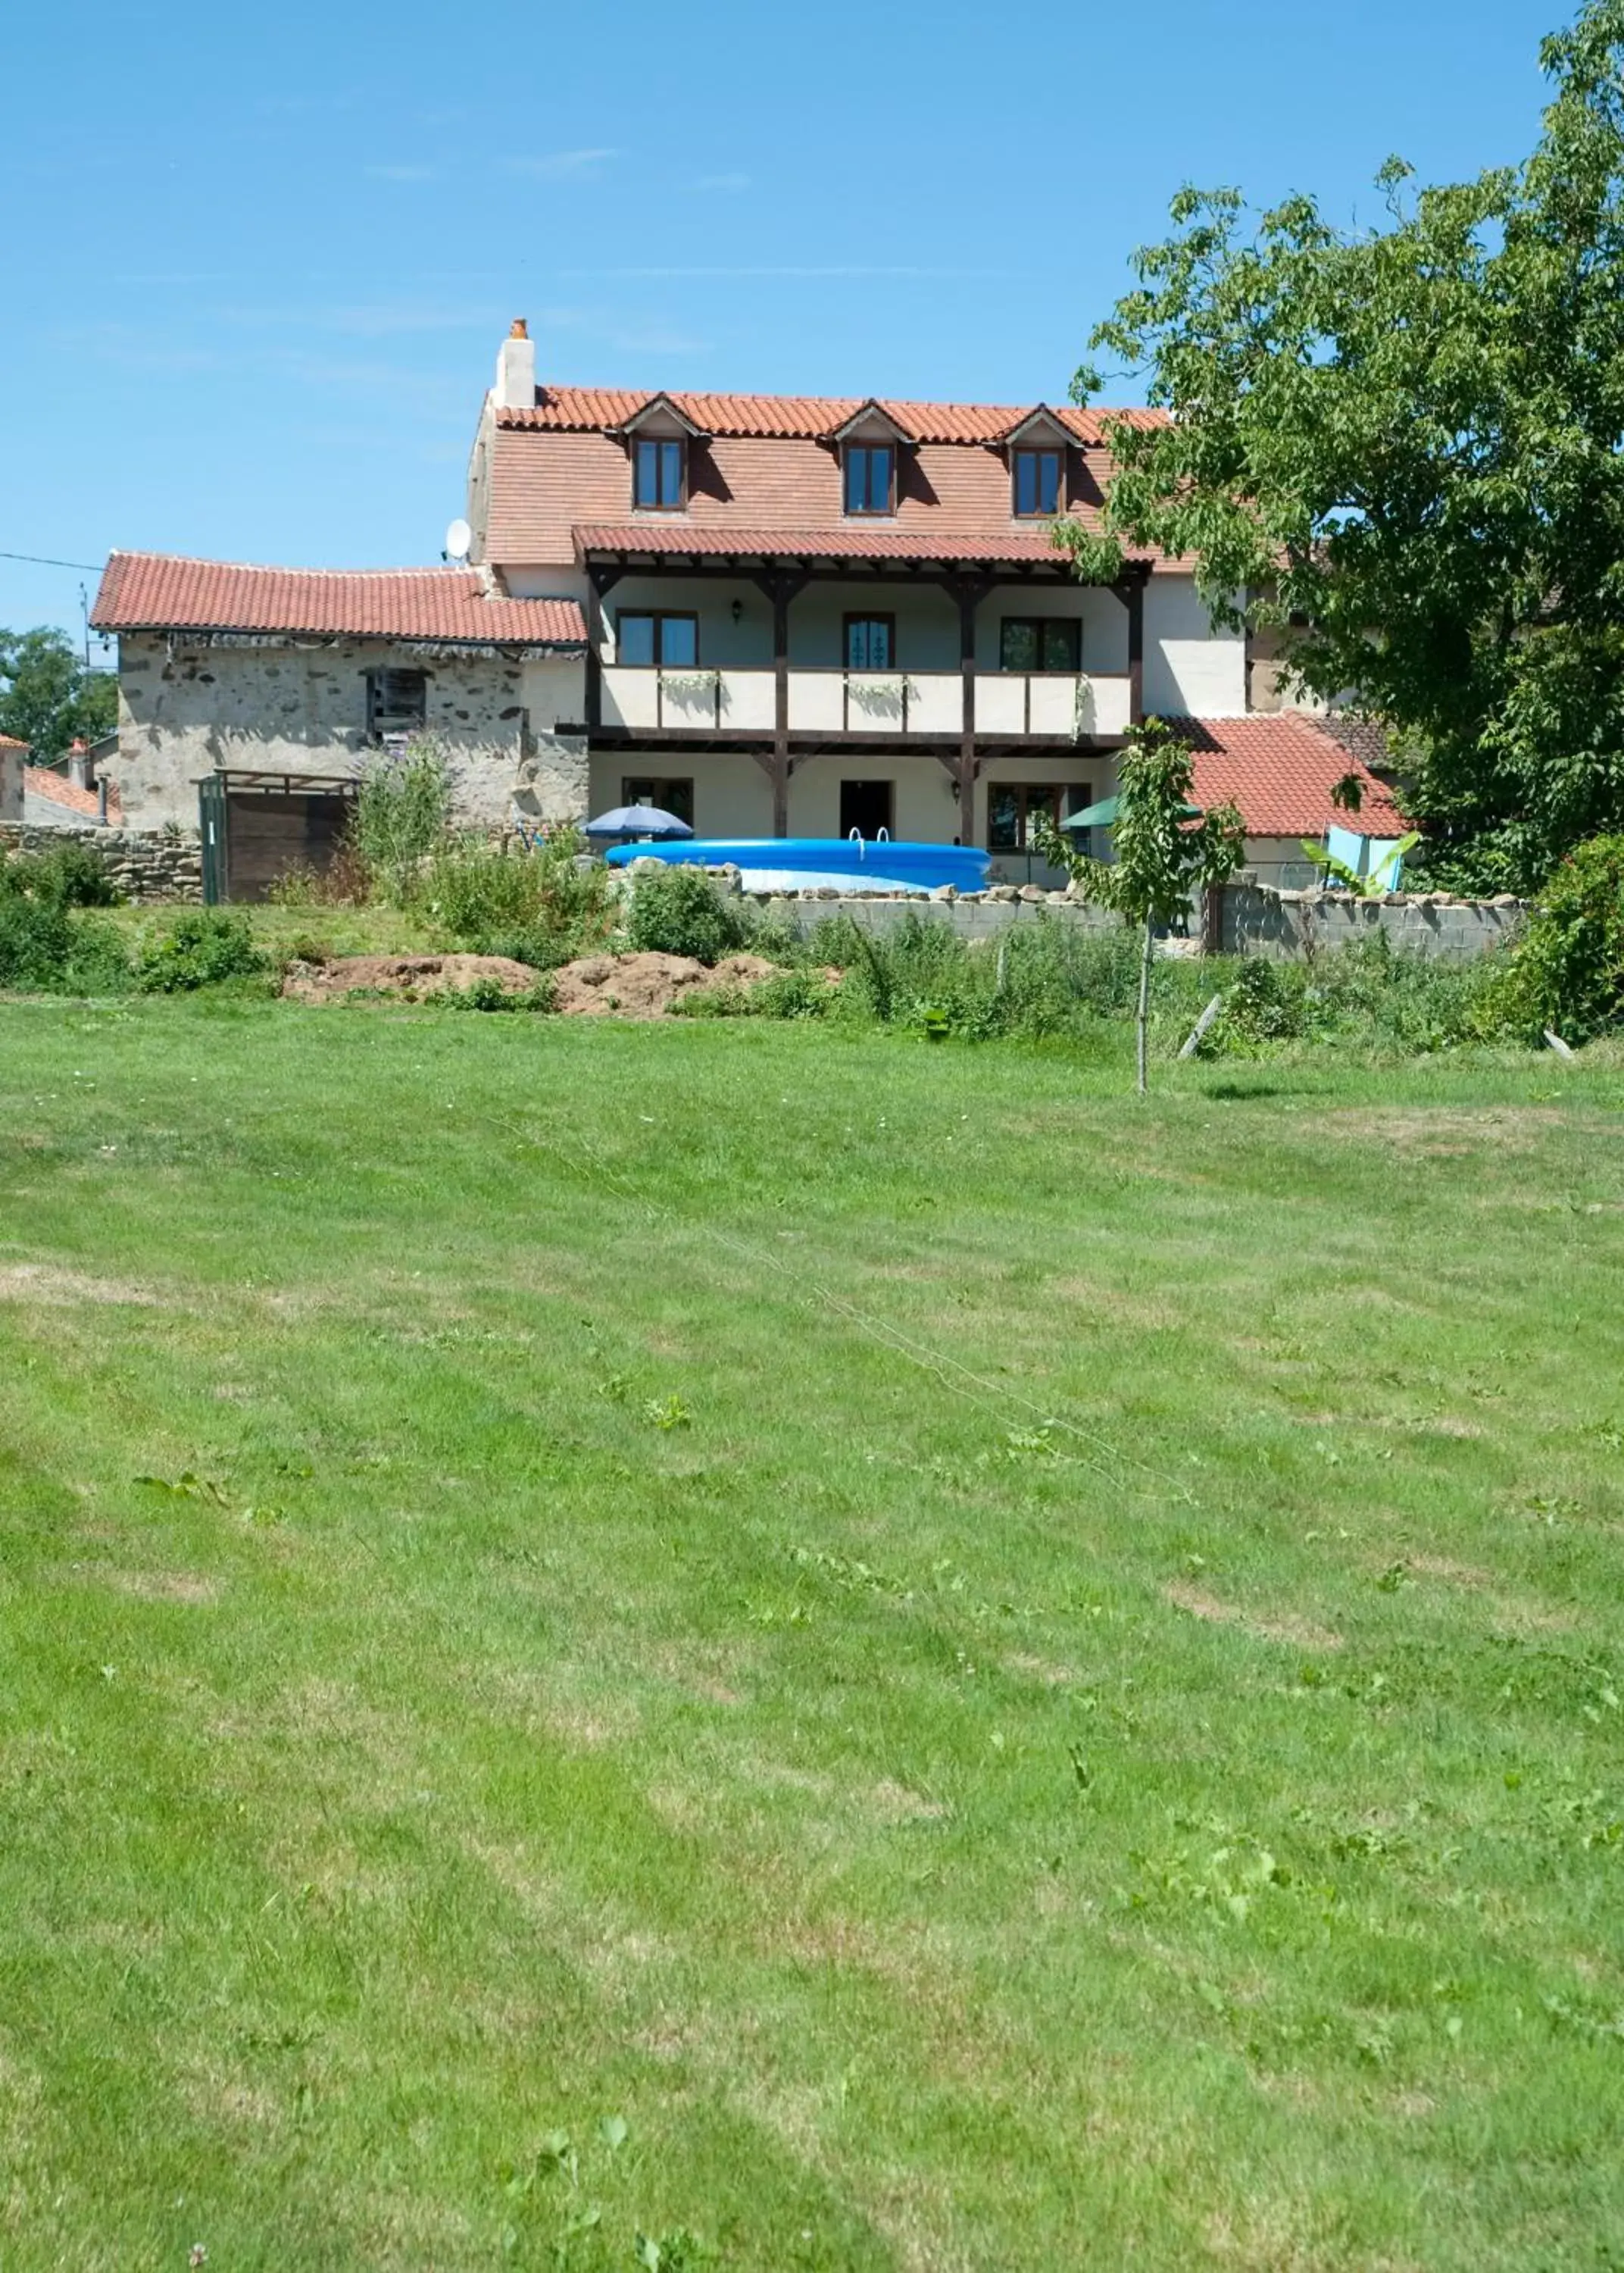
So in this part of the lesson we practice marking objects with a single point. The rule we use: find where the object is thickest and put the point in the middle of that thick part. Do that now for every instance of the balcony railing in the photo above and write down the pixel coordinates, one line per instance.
(1059, 706)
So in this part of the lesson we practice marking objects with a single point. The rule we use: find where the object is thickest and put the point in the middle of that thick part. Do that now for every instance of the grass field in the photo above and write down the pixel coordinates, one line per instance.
(876, 1656)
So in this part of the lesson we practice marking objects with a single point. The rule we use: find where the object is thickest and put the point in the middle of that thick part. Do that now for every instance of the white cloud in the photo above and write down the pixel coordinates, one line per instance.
(731, 185)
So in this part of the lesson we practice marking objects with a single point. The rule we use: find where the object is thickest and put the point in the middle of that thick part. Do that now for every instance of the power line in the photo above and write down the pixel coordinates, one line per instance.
(40, 560)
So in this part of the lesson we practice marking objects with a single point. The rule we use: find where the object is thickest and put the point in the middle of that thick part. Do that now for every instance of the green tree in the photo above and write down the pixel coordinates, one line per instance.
(1402, 447)
(1165, 850)
(46, 695)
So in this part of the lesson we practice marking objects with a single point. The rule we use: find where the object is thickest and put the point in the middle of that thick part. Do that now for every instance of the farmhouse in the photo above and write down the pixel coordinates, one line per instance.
(772, 615)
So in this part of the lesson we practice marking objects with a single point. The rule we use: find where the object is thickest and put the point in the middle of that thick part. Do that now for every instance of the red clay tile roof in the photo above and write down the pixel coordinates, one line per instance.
(856, 541)
(1280, 766)
(153, 591)
(56, 789)
(805, 417)
(10, 742)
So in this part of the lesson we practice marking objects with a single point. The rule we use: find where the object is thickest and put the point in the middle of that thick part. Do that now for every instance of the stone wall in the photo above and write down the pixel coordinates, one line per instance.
(1258, 921)
(13, 766)
(193, 707)
(146, 865)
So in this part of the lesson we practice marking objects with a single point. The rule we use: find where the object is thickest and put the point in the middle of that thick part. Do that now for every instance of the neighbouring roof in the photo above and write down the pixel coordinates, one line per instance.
(10, 742)
(804, 417)
(154, 591)
(1280, 766)
(42, 782)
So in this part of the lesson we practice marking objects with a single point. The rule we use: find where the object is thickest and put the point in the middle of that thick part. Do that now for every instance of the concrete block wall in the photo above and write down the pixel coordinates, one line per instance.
(1292, 924)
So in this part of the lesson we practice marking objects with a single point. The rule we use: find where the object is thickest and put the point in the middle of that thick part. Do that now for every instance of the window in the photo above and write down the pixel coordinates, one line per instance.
(1040, 643)
(871, 642)
(1038, 483)
(673, 797)
(871, 478)
(1012, 807)
(659, 472)
(655, 636)
(397, 702)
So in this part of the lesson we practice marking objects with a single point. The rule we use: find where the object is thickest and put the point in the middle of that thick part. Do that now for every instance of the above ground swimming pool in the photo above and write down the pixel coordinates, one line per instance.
(801, 863)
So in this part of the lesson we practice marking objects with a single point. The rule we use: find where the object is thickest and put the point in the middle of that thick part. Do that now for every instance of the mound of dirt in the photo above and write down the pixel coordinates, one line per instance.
(646, 985)
(410, 976)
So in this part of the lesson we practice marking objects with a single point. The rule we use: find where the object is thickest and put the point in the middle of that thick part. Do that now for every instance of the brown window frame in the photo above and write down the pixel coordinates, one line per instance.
(1045, 450)
(659, 618)
(658, 442)
(659, 787)
(887, 512)
(867, 615)
(1042, 670)
(1049, 794)
(381, 720)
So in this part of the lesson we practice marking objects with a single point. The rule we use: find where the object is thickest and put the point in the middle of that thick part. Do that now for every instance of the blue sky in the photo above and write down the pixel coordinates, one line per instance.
(256, 262)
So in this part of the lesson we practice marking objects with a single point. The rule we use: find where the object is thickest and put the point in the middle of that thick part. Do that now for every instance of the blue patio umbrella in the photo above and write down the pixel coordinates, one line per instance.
(638, 820)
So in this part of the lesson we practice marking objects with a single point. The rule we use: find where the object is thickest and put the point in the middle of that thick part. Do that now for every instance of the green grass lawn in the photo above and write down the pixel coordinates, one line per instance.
(1007, 1678)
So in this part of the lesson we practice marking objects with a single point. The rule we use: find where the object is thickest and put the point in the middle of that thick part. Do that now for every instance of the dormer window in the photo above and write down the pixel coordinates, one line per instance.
(658, 438)
(871, 478)
(659, 473)
(1038, 483)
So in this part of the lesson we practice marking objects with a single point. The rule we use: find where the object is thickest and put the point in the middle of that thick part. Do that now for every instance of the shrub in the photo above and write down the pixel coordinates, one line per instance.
(679, 910)
(45, 947)
(205, 947)
(1567, 971)
(1366, 996)
(490, 994)
(403, 810)
(70, 875)
(345, 881)
(1037, 977)
(798, 994)
(542, 906)
(74, 875)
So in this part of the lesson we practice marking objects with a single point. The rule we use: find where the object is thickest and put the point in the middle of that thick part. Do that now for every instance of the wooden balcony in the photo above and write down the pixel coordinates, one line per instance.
(1056, 708)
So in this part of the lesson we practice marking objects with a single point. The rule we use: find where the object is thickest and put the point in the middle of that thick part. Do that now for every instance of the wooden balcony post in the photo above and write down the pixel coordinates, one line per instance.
(781, 587)
(969, 591)
(1131, 592)
(600, 580)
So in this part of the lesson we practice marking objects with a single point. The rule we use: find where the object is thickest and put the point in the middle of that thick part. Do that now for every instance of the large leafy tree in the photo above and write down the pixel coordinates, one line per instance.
(46, 695)
(1402, 447)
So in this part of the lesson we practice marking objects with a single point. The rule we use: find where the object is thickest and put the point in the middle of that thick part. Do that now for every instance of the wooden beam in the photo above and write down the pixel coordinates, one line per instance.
(969, 591)
(600, 579)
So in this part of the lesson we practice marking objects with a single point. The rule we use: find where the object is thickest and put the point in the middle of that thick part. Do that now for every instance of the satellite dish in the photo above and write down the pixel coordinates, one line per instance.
(459, 538)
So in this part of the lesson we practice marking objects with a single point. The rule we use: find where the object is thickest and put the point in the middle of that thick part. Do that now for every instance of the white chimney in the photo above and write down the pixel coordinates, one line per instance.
(515, 386)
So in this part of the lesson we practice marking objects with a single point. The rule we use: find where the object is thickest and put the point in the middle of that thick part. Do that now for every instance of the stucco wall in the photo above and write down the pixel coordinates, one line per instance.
(190, 709)
(733, 797)
(1193, 669)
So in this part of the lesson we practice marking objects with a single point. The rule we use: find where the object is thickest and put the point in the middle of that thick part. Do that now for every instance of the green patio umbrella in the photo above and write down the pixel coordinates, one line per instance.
(1102, 814)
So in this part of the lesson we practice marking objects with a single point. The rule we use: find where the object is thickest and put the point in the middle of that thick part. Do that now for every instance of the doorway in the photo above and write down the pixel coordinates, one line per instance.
(866, 806)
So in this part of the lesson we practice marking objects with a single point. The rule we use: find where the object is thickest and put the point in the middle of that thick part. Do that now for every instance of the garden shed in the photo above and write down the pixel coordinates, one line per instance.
(256, 827)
